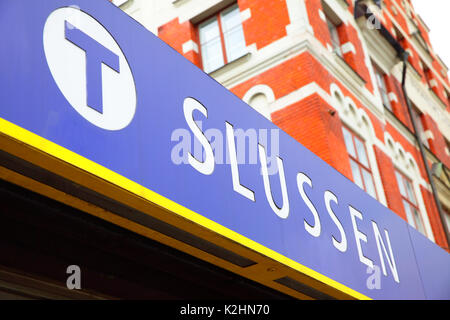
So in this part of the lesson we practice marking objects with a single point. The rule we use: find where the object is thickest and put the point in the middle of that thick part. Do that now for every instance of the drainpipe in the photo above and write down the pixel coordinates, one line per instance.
(404, 58)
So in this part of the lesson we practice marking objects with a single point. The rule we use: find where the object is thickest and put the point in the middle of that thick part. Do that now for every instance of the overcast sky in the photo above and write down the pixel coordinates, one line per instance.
(435, 14)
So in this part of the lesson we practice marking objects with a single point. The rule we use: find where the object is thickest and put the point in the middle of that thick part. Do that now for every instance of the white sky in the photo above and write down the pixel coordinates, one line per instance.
(435, 15)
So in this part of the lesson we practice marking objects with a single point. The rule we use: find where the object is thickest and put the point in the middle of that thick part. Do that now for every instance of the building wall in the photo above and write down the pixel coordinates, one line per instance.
(311, 93)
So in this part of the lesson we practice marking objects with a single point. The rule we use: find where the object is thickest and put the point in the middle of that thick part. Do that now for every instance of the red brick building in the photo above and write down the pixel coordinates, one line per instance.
(330, 73)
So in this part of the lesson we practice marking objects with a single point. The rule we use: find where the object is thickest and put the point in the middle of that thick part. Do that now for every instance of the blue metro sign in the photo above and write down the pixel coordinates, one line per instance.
(90, 86)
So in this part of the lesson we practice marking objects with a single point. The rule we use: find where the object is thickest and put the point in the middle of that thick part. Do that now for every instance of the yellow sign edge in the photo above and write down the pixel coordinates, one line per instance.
(16, 132)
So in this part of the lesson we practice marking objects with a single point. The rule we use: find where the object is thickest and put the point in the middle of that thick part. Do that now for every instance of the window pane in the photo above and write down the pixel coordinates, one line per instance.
(233, 34)
(235, 43)
(419, 125)
(382, 88)
(418, 220)
(409, 190)
(349, 142)
(379, 81)
(212, 56)
(409, 214)
(362, 156)
(335, 41)
(401, 185)
(209, 30)
(368, 182)
(356, 174)
(386, 101)
(230, 19)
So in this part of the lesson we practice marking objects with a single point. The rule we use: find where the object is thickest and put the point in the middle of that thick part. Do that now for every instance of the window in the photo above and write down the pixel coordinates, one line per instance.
(260, 103)
(335, 41)
(222, 39)
(359, 162)
(428, 75)
(410, 203)
(398, 34)
(417, 115)
(381, 83)
(421, 40)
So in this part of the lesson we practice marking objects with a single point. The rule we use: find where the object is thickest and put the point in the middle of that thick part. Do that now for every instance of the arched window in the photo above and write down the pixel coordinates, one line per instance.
(260, 98)
(409, 180)
(359, 162)
(260, 103)
(410, 203)
(359, 137)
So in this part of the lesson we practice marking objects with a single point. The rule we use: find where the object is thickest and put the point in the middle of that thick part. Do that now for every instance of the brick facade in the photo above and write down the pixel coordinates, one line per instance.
(316, 125)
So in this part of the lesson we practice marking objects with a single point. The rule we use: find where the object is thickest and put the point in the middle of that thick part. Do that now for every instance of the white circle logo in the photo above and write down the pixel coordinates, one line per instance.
(89, 68)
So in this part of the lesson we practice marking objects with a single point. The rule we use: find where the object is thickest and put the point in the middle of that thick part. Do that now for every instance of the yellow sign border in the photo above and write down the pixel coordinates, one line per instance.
(18, 133)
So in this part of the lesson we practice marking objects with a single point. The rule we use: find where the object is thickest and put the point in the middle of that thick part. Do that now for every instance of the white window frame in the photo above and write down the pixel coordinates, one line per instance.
(218, 17)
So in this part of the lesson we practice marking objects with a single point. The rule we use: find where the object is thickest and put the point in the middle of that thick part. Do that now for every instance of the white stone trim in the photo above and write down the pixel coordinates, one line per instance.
(329, 47)
(322, 15)
(264, 90)
(433, 83)
(298, 95)
(260, 88)
(246, 14)
(427, 135)
(348, 47)
(393, 32)
(119, 2)
(394, 10)
(298, 15)
(190, 46)
(392, 97)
